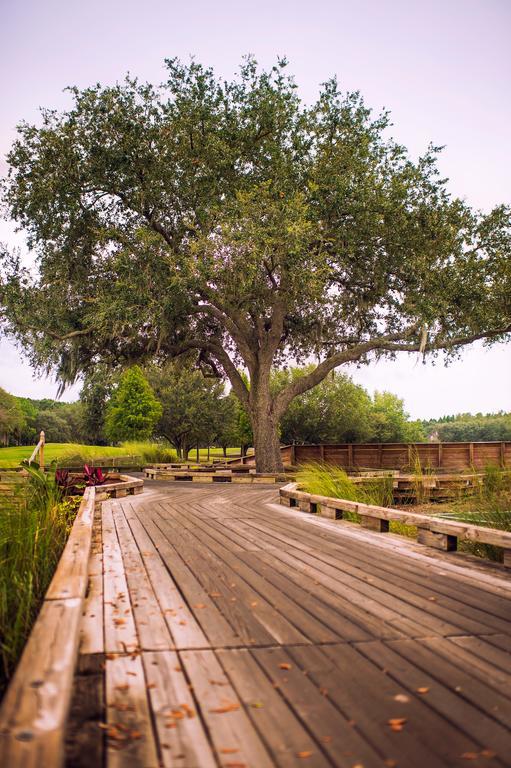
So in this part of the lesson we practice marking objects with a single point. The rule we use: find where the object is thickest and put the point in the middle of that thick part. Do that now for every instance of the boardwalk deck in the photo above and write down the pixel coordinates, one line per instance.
(230, 631)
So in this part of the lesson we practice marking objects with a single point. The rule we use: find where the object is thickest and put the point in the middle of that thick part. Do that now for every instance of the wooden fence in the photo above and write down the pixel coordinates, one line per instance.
(443, 456)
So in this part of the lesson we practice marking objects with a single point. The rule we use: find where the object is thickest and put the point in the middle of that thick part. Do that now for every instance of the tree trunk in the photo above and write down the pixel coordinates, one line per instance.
(264, 425)
(224, 449)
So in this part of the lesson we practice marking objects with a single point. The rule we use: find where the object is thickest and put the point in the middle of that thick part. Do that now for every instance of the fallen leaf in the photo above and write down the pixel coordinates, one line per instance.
(123, 687)
(402, 698)
(397, 723)
(200, 605)
(229, 750)
(469, 756)
(256, 704)
(285, 665)
(188, 710)
(231, 707)
(305, 753)
(423, 690)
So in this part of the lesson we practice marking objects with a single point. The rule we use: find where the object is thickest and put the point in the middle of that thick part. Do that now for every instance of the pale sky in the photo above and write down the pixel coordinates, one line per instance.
(442, 67)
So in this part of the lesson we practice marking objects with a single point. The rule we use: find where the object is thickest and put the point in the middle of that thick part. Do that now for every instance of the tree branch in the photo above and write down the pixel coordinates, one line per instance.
(384, 343)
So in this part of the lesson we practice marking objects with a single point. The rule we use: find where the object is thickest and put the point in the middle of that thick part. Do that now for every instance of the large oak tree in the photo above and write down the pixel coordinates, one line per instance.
(232, 219)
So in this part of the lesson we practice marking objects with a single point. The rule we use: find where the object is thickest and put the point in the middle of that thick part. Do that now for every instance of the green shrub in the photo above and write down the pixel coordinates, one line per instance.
(34, 526)
(150, 453)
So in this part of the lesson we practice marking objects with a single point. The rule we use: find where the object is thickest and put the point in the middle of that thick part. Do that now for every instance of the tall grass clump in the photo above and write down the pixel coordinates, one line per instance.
(490, 507)
(150, 453)
(329, 480)
(34, 526)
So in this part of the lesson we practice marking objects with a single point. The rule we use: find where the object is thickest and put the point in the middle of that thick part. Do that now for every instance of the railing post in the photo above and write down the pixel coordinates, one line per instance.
(41, 450)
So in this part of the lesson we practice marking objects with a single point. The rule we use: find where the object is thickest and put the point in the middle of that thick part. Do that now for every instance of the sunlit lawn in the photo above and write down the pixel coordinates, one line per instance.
(12, 456)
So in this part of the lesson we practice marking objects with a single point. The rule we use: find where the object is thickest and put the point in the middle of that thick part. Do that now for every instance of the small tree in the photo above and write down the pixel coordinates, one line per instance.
(12, 418)
(390, 422)
(96, 391)
(133, 409)
(190, 403)
(336, 411)
(231, 219)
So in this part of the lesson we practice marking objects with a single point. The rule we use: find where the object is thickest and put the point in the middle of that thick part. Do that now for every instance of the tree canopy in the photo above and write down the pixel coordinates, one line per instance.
(190, 406)
(231, 219)
(12, 418)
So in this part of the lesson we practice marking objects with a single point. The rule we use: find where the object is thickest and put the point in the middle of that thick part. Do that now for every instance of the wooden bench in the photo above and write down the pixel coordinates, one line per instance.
(216, 476)
(431, 531)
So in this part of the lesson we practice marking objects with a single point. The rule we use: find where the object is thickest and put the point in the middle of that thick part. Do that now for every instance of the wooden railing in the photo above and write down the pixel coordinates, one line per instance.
(444, 456)
(36, 704)
(39, 449)
(432, 531)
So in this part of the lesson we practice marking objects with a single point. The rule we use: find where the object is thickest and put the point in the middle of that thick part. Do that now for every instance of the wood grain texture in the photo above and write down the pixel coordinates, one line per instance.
(239, 632)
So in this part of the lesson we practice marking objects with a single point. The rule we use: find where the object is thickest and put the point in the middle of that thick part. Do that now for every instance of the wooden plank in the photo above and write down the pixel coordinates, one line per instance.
(120, 631)
(152, 630)
(480, 667)
(486, 651)
(70, 578)
(92, 638)
(228, 724)
(184, 628)
(329, 727)
(446, 701)
(216, 578)
(213, 624)
(429, 655)
(266, 707)
(130, 738)
(36, 704)
(283, 618)
(465, 590)
(368, 698)
(182, 736)
(458, 616)
(348, 620)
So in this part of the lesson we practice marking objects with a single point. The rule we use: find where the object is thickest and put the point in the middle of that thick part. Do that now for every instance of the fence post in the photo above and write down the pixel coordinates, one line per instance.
(41, 450)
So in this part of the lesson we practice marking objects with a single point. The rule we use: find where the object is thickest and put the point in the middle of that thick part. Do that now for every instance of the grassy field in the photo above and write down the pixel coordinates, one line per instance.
(62, 452)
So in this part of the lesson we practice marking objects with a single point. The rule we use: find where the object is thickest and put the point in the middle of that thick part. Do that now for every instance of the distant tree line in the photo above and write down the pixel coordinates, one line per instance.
(178, 404)
(468, 427)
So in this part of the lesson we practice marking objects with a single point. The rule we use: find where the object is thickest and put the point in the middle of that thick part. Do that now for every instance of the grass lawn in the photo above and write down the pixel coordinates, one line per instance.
(12, 456)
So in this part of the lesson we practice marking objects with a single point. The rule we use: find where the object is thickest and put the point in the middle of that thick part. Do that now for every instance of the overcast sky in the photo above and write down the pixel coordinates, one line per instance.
(442, 67)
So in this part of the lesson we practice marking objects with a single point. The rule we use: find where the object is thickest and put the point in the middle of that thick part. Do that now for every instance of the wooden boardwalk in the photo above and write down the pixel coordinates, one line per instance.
(222, 629)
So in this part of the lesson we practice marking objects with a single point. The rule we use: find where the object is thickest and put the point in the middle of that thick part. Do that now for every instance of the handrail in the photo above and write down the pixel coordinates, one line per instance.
(432, 531)
(39, 447)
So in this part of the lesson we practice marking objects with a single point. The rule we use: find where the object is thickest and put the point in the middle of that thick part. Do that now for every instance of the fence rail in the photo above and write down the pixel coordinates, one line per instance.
(353, 456)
